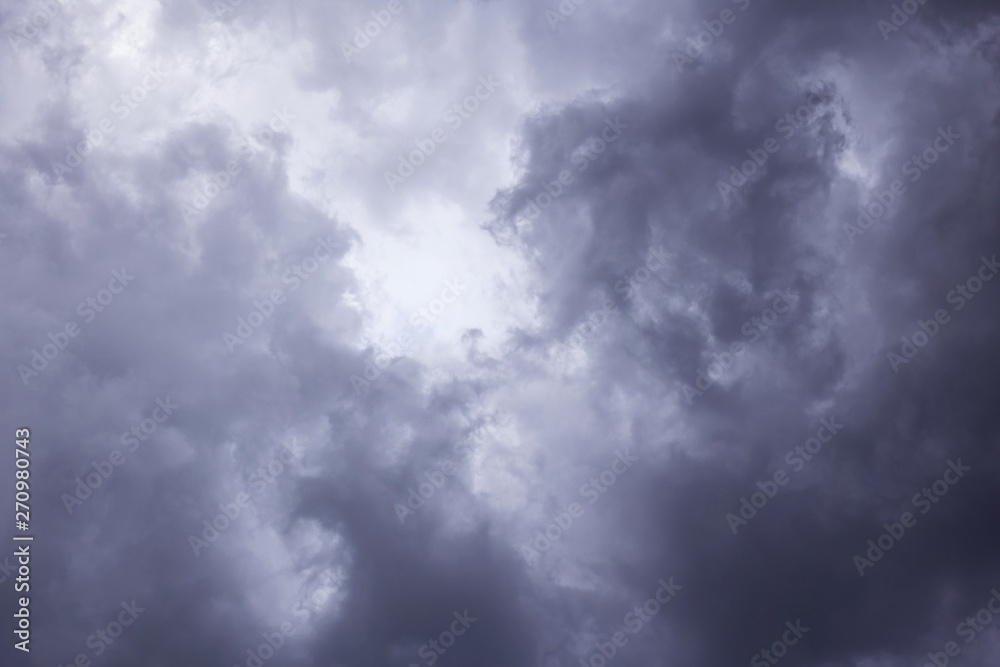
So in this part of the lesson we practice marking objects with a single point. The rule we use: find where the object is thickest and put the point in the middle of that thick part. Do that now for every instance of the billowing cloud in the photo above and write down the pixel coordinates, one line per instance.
(502, 333)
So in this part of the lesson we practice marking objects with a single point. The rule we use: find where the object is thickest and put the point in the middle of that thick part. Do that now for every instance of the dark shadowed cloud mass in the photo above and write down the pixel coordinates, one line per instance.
(394, 334)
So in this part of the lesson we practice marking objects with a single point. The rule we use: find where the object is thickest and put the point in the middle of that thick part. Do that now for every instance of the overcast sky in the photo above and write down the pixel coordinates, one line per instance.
(381, 334)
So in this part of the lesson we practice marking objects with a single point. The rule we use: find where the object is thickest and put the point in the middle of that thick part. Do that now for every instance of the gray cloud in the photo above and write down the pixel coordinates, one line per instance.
(596, 155)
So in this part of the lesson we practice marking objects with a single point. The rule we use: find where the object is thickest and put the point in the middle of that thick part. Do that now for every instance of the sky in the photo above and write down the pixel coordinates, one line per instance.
(398, 333)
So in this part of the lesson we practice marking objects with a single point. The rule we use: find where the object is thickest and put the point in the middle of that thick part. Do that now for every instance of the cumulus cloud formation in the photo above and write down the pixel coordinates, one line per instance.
(561, 333)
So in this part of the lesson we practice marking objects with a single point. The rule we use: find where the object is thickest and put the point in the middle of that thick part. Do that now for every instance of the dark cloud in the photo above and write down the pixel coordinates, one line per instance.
(634, 299)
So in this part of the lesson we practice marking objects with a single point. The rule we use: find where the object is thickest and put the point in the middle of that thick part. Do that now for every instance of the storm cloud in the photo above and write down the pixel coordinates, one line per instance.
(502, 333)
